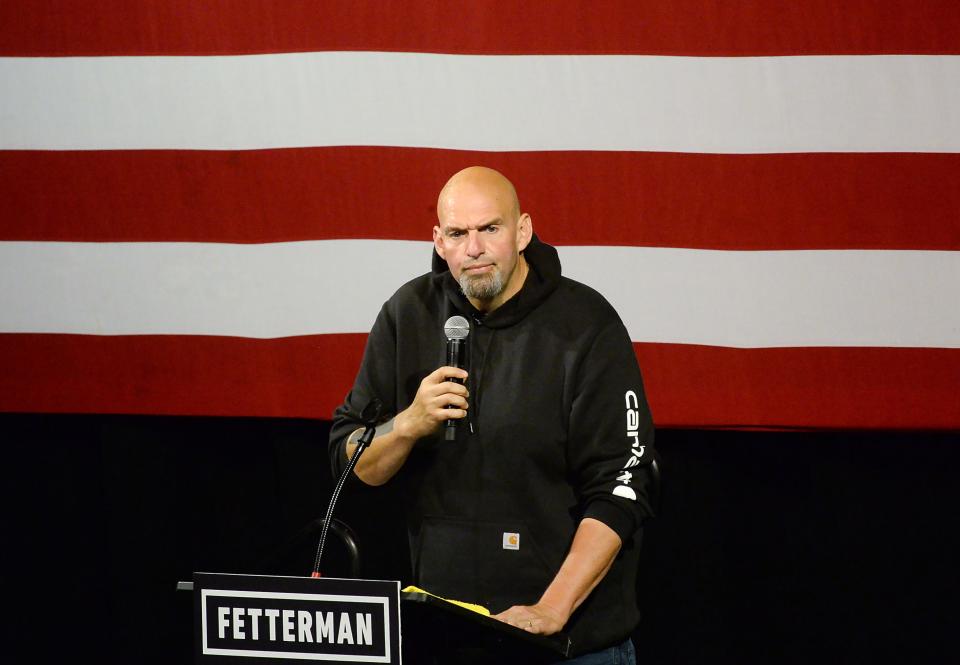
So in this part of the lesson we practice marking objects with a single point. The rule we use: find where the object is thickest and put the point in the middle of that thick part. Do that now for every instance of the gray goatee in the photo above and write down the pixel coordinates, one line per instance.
(482, 287)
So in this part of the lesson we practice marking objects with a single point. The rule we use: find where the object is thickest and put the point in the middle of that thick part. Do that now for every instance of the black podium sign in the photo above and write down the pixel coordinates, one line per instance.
(284, 619)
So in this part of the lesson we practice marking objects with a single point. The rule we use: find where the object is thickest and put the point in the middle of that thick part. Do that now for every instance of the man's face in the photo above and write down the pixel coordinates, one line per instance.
(480, 236)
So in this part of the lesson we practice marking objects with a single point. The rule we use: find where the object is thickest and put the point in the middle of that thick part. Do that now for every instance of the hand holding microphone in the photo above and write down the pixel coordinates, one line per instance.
(441, 397)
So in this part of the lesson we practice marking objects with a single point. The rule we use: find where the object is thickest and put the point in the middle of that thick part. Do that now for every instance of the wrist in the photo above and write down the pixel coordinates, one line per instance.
(402, 429)
(555, 607)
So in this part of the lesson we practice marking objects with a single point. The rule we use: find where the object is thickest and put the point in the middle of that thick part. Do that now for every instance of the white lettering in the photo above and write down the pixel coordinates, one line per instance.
(254, 613)
(364, 628)
(636, 440)
(636, 402)
(625, 477)
(222, 621)
(633, 421)
(304, 626)
(238, 624)
(288, 626)
(324, 626)
(301, 626)
(344, 636)
(632, 462)
(272, 617)
(625, 492)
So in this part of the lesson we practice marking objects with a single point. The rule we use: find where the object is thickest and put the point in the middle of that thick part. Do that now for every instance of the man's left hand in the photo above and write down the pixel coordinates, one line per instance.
(538, 619)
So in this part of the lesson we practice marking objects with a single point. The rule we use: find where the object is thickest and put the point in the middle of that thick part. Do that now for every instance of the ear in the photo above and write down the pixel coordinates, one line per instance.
(438, 242)
(524, 231)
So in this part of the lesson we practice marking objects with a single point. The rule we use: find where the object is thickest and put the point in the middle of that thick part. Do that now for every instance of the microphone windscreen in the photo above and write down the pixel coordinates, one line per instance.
(456, 327)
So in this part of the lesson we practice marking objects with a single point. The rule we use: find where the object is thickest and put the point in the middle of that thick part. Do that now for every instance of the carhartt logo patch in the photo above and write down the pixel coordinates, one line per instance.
(511, 541)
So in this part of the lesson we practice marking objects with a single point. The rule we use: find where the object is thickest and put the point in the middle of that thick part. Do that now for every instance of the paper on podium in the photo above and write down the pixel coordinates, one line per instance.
(479, 609)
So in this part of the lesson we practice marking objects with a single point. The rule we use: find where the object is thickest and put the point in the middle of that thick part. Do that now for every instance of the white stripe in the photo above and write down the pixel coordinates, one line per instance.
(270, 290)
(785, 298)
(492, 103)
(741, 299)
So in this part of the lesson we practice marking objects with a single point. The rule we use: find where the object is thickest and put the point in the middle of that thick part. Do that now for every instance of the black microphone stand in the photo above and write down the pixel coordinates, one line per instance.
(368, 418)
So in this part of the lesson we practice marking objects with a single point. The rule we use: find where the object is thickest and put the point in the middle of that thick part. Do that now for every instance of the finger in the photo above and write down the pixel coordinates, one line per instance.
(448, 400)
(452, 387)
(508, 615)
(529, 624)
(514, 621)
(437, 383)
(528, 619)
(447, 372)
(541, 626)
(518, 616)
(444, 390)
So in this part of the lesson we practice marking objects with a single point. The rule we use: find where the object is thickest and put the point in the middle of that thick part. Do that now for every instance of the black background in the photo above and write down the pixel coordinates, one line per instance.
(770, 547)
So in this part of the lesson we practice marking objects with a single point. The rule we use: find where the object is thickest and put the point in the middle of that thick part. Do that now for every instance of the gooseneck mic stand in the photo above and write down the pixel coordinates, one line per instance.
(368, 418)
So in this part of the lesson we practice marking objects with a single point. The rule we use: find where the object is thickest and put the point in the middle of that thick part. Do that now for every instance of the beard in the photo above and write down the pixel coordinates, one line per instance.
(482, 287)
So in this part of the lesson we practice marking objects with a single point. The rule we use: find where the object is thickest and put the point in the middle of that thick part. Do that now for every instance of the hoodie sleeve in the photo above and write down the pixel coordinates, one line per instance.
(376, 378)
(611, 434)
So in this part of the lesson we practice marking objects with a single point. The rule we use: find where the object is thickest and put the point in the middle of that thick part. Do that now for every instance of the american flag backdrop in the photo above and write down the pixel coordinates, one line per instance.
(203, 204)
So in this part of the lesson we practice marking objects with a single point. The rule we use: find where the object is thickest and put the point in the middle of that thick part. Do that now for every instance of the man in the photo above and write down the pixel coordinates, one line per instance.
(535, 509)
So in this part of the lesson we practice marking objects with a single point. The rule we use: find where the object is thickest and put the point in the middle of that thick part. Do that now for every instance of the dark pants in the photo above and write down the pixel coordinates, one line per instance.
(622, 654)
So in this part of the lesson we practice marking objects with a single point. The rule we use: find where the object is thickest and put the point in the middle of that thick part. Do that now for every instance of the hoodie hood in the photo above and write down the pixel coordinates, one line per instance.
(542, 280)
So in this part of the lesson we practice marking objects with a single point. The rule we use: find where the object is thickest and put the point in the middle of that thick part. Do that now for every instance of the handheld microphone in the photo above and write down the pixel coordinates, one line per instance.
(456, 329)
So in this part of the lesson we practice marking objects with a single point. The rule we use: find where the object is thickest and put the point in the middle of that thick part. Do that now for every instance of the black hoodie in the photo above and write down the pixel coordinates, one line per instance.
(558, 430)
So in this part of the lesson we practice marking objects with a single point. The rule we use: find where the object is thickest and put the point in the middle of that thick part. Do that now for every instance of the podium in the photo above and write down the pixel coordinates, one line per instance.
(435, 632)
(259, 619)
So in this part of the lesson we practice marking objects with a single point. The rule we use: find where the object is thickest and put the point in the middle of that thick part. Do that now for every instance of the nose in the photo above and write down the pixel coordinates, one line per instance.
(474, 244)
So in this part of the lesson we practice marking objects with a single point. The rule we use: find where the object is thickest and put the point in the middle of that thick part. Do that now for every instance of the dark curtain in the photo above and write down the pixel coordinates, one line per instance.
(770, 547)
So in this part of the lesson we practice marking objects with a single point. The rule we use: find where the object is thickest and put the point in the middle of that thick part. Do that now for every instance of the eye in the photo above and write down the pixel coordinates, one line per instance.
(493, 228)
(454, 233)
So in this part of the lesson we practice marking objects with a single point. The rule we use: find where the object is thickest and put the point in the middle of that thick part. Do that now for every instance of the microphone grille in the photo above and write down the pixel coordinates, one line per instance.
(456, 327)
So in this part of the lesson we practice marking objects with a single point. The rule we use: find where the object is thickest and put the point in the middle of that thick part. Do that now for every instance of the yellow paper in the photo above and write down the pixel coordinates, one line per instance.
(479, 609)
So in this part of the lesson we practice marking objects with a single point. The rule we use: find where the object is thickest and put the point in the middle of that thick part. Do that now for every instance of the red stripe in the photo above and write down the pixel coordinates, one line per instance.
(815, 387)
(308, 376)
(170, 374)
(683, 27)
(778, 201)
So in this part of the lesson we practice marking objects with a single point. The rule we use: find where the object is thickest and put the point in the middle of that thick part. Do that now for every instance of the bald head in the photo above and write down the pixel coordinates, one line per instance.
(481, 234)
(479, 180)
